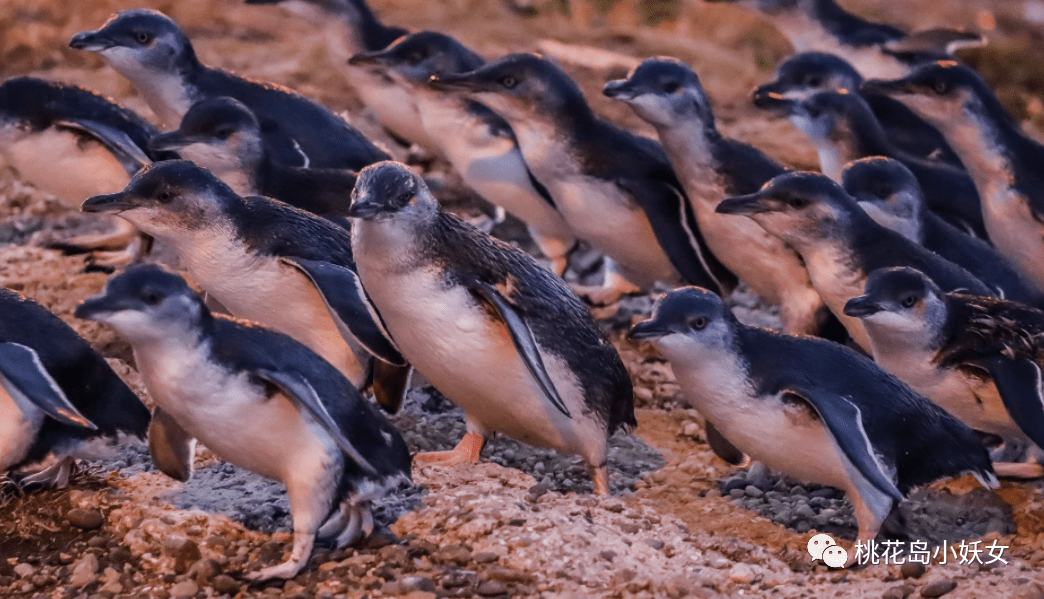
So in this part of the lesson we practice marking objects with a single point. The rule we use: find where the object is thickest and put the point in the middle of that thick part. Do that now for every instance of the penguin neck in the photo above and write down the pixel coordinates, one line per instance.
(549, 145)
(910, 226)
(690, 147)
(388, 244)
(983, 144)
(851, 139)
(168, 94)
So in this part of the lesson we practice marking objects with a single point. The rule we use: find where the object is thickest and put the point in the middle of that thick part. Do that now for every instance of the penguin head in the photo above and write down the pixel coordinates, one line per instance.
(827, 117)
(146, 303)
(220, 134)
(770, 7)
(140, 44)
(663, 91)
(688, 321)
(801, 208)
(520, 88)
(899, 301)
(391, 191)
(804, 74)
(887, 191)
(419, 56)
(167, 199)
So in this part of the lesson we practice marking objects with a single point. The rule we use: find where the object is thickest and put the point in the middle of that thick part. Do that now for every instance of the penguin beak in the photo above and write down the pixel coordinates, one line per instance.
(371, 59)
(110, 202)
(744, 205)
(169, 142)
(458, 82)
(648, 329)
(93, 307)
(620, 89)
(91, 41)
(858, 307)
(363, 208)
(767, 97)
(888, 87)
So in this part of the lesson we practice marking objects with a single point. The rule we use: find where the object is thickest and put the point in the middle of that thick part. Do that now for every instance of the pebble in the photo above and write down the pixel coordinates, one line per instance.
(187, 588)
(898, 592)
(204, 571)
(741, 574)
(185, 554)
(85, 571)
(225, 585)
(691, 430)
(912, 569)
(490, 588)
(938, 588)
(24, 570)
(752, 491)
(85, 519)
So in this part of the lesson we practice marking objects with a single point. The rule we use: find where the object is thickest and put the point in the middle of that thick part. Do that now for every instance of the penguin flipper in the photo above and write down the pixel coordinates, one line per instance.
(1019, 385)
(350, 307)
(299, 390)
(844, 421)
(22, 375)
(132, 157)
(172, 448)
(721, 446)
(524, 341)
(675, 227)
(390, 384)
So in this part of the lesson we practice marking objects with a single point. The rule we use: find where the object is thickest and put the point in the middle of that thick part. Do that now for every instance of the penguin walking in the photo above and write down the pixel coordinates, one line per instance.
(779, 399)
(478, 143)
(267, 262)
(493, 331)
(667, 94)
(889, 193)
(1002, 160)
(843, 129)
(223, 136)
(238, 387)
(59, 399)
(615, 189)
(839, 243)
(979, 358)
(150, 50)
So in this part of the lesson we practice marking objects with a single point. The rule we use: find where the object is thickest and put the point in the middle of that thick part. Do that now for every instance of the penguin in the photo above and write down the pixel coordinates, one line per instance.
(615, 189)
(59, 399)
(351, 27)
(267, 262)
(976, 357)
(493, 331)
(150, 50)
(875, 49)
(667, 94)
(780, 400)
(49, 129)
(843, 129)
(804, 74)
(840, 244)
(223, 136)
(479, 144)
(888, 192)
(1003, 161)
(257, 399)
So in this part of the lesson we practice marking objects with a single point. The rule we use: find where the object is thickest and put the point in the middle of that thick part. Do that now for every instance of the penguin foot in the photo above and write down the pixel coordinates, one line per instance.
(1019, 470)
(600, 478)
(303, 543)
(466, 452)
(55, 476)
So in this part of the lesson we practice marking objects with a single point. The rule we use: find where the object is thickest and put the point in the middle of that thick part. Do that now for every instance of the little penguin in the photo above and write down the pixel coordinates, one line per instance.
(59, 399)
(667, 94)
(843, 129)
(615, 189)
(875, 49)
(1003, 161)
(979, 358)
(493, 331)
(890, 194)
(259, 400)
(223, 136)
(804, 74)
(839, 243)
(154, 54)
(49, 130)
(780, 400)
(478, 143)
(267, 262)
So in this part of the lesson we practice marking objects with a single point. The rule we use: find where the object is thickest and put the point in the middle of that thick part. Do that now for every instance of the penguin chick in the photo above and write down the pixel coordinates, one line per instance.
(267, 262)
(494, 332)
(58, 398)
(615, 189)
(843, 129)
(149, 49)
(888, 192)
(1002, 160)
(807, 73)
(840, 244)
(978, 358)
(780, 400)
(667, 94)
(259, 400)
(479, 144)
(223, 136)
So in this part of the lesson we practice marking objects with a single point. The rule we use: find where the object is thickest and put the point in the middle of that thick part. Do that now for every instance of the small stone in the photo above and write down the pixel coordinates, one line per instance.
(204, 571)
(485, 557)
(490, 588)
(225, 585)
(691, 430)
(898, 592)
(656, 544)
(418, 583)
(938, 588)
(24, 570)
(912, 569)
(752, 491)
(85, 519)
(741, 574)
(185, 555)
(456, 554)
(187, 588)
(607, 555)
(737, 493)
(85, 571)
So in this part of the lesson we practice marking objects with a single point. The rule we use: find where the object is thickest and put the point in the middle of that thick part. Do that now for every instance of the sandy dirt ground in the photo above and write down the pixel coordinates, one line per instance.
(680, 522)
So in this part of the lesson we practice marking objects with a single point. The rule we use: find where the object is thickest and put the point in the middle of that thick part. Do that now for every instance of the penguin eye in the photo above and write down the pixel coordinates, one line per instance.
(417, 56)
(940, 87)
(698, 324)
(797, 202)
(814, 81)
(151, 298)
(143, 37)
(223, 133)
(670, 87)
(879, 191)
(909, 301)
(508, 82)
(163, 196)
(814, 112)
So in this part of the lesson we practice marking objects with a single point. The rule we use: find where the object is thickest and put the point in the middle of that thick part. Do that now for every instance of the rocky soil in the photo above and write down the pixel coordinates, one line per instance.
(679, 522)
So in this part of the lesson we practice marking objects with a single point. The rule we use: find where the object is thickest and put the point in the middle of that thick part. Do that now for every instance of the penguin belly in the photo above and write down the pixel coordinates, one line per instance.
(19, 423)
(1016, 233)
(394, 106)
(837, 281)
